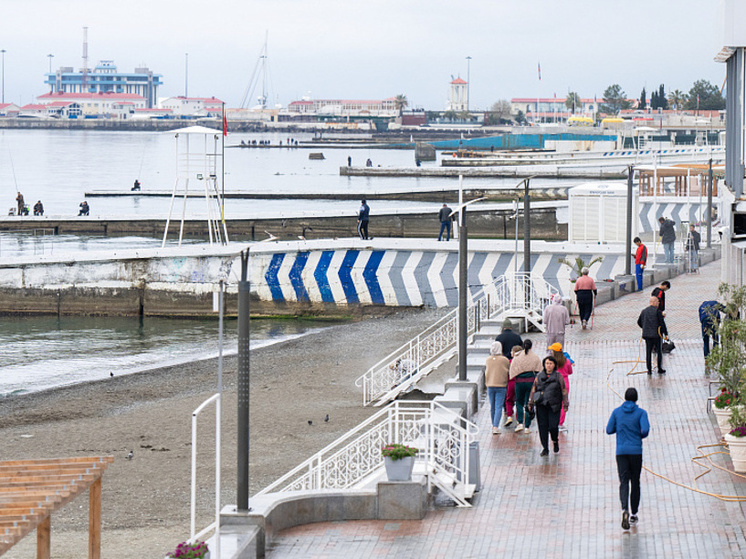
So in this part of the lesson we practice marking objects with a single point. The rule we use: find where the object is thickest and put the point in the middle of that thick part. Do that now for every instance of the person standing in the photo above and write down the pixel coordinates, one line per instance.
(653, 328)
(660, 293)
(349, 161)
(548, 396)
(523, 369)
(556, 317)
(709, 319)
(668, 237)
(585, 292)
(509, 340)
(692, 248)
(641, 260)
(444, 215)
(631, 425)
(564, 366)
(21, 203)
(496, 371)
(363, 217)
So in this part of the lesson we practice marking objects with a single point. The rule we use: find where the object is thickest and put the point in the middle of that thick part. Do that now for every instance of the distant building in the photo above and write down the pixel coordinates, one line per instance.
(339, 107)
(9, 109)
(105, 78)
(192, 106)
(116, 104)
(459, 98)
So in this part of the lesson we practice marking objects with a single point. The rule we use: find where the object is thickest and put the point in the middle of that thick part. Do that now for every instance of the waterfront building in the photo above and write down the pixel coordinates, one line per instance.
(89, 104)
(340, 107)
(9, 109)
(458, 100)
(32, 110)
(105, 78)
(192, 106)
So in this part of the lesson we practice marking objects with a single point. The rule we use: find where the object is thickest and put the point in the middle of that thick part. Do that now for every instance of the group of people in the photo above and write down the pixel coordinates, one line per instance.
(23, 209)
(667, 234)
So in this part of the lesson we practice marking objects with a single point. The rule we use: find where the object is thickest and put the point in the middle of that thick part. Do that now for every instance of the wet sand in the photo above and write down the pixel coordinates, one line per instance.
(146, 500)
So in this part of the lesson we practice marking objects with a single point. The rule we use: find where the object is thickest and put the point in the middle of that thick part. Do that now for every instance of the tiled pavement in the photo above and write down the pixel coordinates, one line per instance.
(567, 505)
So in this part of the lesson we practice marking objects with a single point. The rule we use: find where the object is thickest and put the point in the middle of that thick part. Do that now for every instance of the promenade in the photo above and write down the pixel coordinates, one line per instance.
(567, 505)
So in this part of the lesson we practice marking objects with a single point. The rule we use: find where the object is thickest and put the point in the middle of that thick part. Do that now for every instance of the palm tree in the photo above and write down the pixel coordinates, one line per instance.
(578, 264)
(400, 101)
(572, 101)
(677, 98)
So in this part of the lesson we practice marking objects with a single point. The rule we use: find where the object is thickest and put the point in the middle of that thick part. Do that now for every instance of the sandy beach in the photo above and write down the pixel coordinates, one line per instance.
(146, 499)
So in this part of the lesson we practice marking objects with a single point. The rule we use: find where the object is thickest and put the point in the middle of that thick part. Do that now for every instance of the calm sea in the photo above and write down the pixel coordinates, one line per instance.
(58, 167)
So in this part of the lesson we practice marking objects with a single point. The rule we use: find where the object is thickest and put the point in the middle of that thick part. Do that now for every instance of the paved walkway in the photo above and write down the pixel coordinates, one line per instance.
(567, 505)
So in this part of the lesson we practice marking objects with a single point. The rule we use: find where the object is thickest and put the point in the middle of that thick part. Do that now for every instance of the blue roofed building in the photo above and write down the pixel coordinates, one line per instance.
(105, 78)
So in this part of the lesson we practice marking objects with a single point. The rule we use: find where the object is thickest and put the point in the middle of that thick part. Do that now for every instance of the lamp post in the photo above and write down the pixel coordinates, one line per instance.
(50, 57)
(468, 82)
(186, 74)
(244, 374)
(51, 83)
(3, 53)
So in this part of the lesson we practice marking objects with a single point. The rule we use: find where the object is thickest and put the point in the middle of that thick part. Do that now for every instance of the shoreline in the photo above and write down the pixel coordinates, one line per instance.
(147, 498)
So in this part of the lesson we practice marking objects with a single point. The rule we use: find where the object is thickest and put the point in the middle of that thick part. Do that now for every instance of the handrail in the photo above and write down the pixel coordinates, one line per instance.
(441, 434)
(193, 505)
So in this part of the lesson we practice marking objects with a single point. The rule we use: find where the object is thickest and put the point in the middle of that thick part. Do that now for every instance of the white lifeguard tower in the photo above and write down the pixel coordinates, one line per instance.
(199, 163)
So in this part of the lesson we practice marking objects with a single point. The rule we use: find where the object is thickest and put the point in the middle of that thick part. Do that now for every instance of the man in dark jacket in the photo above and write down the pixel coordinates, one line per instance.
(444, 215)
(363, 217)
(631, 425)
(692, 248)
(653, 327)
(508, 338)
(668, 237)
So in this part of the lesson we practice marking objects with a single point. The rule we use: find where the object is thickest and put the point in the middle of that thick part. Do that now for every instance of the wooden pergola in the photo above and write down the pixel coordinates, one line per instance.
(681, 173)
(31, 490)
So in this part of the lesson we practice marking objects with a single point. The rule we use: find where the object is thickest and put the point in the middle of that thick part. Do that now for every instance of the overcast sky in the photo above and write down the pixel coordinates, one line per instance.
(374, 49)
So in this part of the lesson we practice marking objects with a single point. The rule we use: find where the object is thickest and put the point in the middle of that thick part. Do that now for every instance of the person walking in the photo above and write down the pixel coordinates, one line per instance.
(585, 292)
(509, 340)
(692, 248)
(660, 293)
(668, 237)
(630, 424)
(564, 366)
(709, 319)
(641, 260)
(548, 396)
(20, 202)
(653, 328)
(444, 215)
(363, 217)
(496, 371)
(523, 370)
(556, 317)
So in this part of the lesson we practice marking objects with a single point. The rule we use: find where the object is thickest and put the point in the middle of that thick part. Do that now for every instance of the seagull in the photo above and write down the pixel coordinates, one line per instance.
(310, 422)
(131, 455)
(326, 419)
(271, 237)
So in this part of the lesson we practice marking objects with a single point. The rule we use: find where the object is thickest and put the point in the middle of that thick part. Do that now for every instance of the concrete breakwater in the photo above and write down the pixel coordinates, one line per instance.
(509, 171)
(325, 277)
(489, 220)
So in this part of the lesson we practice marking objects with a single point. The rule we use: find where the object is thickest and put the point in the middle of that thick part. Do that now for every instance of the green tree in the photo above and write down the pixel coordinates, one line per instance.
(677, 99)
(615, 100)
(400, 102)
(572, 102)
(520, 118)
(450, 114)
(662, 103)
(643, 103)
(705, 96)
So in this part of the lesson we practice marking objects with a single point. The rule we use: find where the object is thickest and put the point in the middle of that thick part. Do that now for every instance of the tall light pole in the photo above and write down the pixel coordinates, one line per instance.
(3, 53)
(468, 81)
(186, 74)
(51, 83)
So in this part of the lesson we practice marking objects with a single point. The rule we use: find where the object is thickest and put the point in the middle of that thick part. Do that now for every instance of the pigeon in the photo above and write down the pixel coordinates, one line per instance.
(310, 422)
(326, 419)
(131, 455)
(111, 374)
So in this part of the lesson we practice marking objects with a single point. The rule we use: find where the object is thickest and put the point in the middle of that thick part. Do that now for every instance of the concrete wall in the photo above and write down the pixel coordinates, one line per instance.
(301, 277)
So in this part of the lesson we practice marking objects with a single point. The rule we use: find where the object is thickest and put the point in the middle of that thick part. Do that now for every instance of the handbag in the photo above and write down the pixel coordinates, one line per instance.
(538, 397)
(667, 346)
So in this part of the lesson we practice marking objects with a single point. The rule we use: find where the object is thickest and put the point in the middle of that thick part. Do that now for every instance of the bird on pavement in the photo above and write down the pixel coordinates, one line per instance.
(310, 422)
(131, 455)
(326, 419)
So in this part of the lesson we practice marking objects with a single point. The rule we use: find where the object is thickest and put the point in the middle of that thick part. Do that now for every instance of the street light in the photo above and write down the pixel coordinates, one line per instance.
(51, 86)
(3, 53)
(468, 81)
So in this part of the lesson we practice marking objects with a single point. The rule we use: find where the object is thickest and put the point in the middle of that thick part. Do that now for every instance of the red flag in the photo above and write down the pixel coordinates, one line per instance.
(539, 71)
(225, 124)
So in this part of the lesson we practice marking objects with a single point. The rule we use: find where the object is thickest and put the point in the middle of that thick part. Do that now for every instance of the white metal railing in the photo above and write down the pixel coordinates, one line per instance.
(409, 363)
(193, 505)
(442, 436)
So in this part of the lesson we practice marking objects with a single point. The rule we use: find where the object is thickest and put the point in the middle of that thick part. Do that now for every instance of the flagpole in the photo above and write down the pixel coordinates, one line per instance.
(222, 160)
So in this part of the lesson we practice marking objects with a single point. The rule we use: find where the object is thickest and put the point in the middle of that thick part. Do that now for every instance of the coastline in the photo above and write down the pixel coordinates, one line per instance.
(147, 499)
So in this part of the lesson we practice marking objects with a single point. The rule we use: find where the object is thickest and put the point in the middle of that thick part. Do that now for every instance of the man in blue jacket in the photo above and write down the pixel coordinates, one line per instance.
(631, 425)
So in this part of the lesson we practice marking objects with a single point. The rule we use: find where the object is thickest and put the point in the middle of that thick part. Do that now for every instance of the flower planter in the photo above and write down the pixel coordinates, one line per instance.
(737, 449)
(399, 470)
(723, 416)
